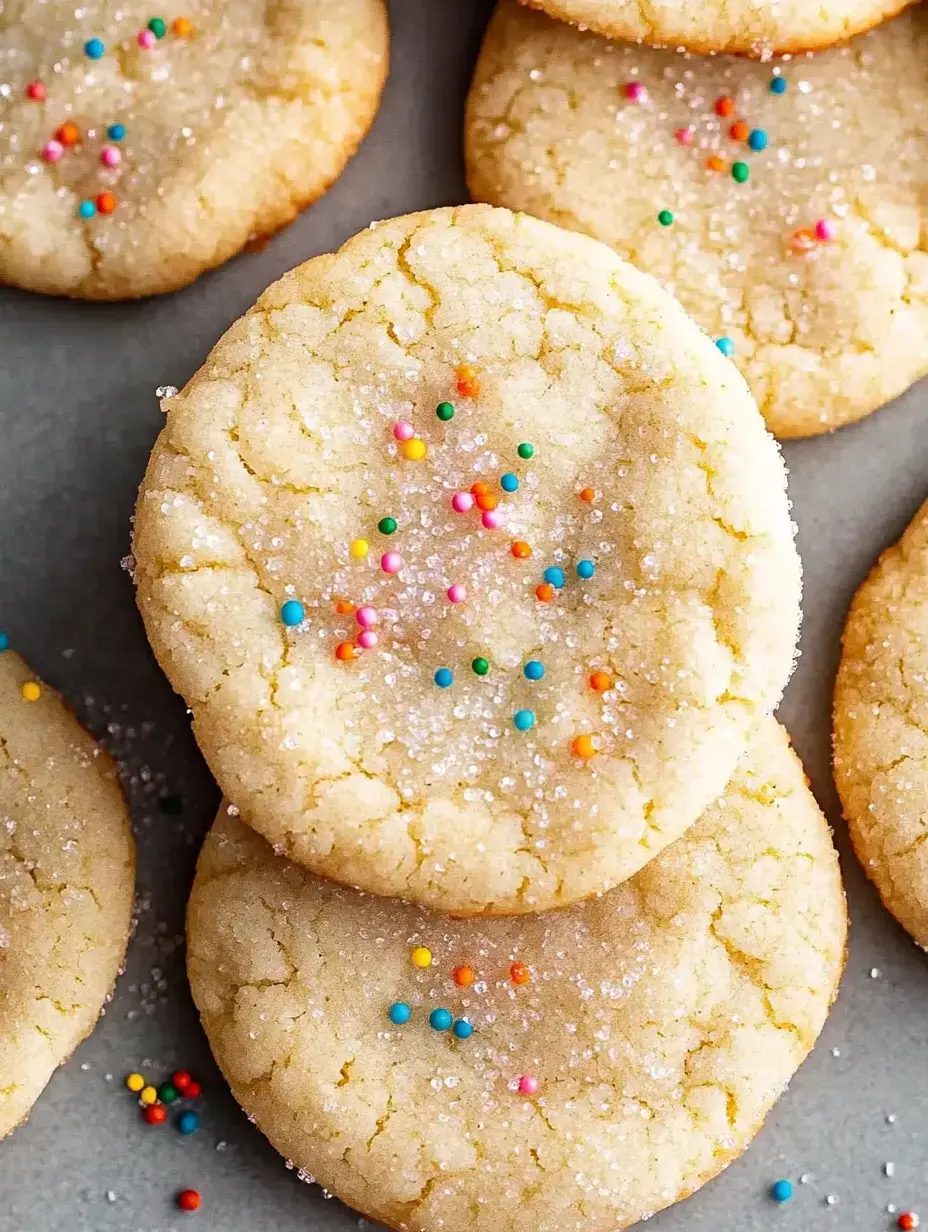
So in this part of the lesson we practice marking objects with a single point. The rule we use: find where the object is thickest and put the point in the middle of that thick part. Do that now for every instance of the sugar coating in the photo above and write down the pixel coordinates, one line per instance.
(881, 726)
(230, 130)
(660, 1021)
(824, 334)
(67, 874)
(749, 27)
(403, 771)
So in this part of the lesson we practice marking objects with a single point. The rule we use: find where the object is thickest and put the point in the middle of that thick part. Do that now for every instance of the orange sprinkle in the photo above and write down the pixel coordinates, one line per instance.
(600, 682)
(106, 202)
(344, 652)
(486, 500)
(68, 134)
(545, 592)
(519, 973)
(344, 607)
(468, 385)
(520, 549)
(714, 163)
(739, 131)
(479, 488)
(802, 241)
(463, 976)
(583, 747)
(724, 106)
(182, 26)
(588, 495)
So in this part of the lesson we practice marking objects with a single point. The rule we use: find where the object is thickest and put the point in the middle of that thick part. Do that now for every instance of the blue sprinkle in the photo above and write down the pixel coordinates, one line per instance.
(116, 132)
(440, 1020)
(188, 1122)
(292, 613)
(757, 139)
(444, 677)
(399, 1013)
(524, 720)
(533, 670)
(94, 48)
(781, 1191)
(86, 209)
(509, 483)
(554, 576)
(4, 641)
(463, 1029)
(778, 85)
(726, 346)
(585, 569)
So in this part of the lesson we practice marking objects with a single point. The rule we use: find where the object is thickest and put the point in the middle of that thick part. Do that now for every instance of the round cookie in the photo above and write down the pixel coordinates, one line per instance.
(510, 460)
(138, 151)
(650, 1030)
(747, 27)
(881, 727)
(67, 875)
(813, 271)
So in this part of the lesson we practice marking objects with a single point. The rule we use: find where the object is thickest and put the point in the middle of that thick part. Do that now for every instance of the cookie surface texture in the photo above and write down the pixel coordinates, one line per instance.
(651, 1029)
(67, 875)
(881, 727)
(785, 204)
(746, 27)
(138, 151)
(567, 669)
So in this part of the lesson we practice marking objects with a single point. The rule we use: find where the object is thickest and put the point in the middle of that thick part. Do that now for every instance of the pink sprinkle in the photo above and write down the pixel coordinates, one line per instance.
(403, 430)
(52, 151)
(825, 229)
(366, 617)
(367, 639)
(146, 39)
(110, 156)
(492, 519)
(36, 91)
(684, 135)
(636, 92)
(528, 1085)
(457, 593)
(462, 502)
(391, 562)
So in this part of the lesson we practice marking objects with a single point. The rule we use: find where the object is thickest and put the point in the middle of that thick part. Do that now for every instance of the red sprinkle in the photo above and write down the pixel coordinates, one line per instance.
(155, 1114)
(36, 91)
(188, 1200)
(908, 1220)
(194, 1090)
(181, 1079)
(724, 106)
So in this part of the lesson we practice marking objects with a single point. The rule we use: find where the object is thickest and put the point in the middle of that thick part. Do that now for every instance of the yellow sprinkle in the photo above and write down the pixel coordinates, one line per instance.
(414, 449)
(31, 691)
(421, 957)
(135, 1082)
(149, 1095)
(359, 548)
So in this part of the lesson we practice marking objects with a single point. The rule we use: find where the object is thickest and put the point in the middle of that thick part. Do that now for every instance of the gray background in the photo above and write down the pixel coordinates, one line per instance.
(78, 416)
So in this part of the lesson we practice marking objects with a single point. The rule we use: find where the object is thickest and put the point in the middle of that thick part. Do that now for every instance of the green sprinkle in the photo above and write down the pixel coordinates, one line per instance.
(167, 1093)
(444, 411)
(665, 218)
(480, 666)
(740, 172)
(157, 27)
(526, 450)
(386, 526)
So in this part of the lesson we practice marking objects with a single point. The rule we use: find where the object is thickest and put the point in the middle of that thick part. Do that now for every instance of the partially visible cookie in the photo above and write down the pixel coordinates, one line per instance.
(784, 204)
(881, 727)
(67, 875)
(473, 561)
(748, 27)
(138, 151)
(605, 1060)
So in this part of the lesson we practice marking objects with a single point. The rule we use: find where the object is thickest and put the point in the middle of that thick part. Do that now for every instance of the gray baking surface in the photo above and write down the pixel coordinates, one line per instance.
(78, 415)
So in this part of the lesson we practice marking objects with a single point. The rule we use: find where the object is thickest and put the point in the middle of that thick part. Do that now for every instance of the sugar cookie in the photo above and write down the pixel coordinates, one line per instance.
(66, 885)
(472, 559)
(137, 151)
(572, 1070)
(785, 204)
(881, 727)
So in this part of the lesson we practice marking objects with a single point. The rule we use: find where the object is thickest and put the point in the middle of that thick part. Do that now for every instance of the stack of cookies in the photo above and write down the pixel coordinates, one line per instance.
(472, 558)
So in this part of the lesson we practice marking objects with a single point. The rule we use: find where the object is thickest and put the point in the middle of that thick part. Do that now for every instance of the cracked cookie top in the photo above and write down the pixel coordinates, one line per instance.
(472, 559)
(570, 1070)
(138, 151)
(784, 203)
(67, 875)
(747, 27)
(881, 727)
